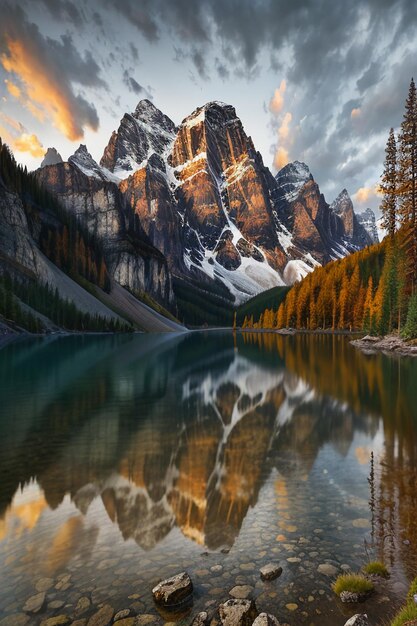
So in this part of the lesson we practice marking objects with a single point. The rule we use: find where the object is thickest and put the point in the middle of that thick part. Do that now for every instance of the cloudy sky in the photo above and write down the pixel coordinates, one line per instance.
(320, 81)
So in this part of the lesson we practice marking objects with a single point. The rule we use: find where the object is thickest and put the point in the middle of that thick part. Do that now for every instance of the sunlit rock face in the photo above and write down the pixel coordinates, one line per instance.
(148, 193)
(325, 231)
(222, 179)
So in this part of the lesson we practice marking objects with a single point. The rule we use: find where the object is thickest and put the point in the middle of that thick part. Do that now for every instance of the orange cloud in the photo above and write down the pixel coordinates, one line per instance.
(29, 143)
(277, 101)
(13, 89)
(281, 158)
(15, 125)
(355, 113)
(284, 129)
(364, 194)
(14, 134)
(42, 93)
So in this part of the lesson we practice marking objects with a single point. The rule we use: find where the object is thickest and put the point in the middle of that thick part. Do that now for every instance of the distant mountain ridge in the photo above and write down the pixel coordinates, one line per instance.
(200, 194)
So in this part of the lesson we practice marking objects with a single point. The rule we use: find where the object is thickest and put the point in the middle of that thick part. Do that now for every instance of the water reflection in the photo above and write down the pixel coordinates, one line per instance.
(184, 432)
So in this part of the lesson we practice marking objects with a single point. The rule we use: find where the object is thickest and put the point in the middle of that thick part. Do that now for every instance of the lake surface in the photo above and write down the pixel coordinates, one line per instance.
(126, 459)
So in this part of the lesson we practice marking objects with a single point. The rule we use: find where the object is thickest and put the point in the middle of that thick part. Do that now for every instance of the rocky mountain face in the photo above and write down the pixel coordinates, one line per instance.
(325, 231)
(145, 132)
(367, 219)
(52, 157)
(353, 229)
(89, 192)
(21, 257)
(200, 197)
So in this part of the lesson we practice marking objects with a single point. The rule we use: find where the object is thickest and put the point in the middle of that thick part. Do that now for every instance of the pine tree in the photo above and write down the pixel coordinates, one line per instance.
(407, 181)
(410, 328)
(389, 186)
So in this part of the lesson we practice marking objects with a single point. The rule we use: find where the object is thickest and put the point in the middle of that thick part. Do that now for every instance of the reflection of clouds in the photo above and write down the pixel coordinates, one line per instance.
(363, 454)
(71, 538)
(24, 512)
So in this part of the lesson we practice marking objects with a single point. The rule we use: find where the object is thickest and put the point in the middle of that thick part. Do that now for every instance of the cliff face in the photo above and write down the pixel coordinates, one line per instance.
(149, 195)
(21, 257)
(97, 202)
(353, 229)
(223, 194)
(326, 231)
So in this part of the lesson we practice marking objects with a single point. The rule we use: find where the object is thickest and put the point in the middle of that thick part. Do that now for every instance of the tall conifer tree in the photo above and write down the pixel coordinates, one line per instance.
(389, 186)
(407, 180)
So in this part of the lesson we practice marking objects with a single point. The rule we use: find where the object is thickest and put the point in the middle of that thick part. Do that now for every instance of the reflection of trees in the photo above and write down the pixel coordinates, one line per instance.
(381, 386)
(186, 432)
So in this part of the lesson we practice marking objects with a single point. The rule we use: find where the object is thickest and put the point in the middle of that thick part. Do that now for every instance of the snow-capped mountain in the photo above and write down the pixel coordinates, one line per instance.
(368, 220)
(291, 179)
(145, 132)
(201, 195)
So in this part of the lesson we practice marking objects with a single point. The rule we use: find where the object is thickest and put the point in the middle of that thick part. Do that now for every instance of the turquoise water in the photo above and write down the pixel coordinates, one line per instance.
(125, 459)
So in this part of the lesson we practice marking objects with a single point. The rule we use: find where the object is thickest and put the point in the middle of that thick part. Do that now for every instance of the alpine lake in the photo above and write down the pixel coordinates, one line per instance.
(126, 459)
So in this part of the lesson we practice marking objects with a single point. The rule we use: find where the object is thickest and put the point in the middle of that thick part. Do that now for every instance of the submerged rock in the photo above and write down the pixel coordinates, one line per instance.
(123, 614)
(18, 619)
(241, 592)
(270, 571)
(103, 617)
(238, 613)
(174, 590)
(327, 569)
(35, 603)
(58, 620)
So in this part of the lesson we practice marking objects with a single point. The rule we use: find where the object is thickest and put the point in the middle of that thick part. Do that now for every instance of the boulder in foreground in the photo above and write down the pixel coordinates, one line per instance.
(174, 590)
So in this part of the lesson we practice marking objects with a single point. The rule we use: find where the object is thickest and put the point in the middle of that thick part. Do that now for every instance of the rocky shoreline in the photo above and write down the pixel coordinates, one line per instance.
(391, 344)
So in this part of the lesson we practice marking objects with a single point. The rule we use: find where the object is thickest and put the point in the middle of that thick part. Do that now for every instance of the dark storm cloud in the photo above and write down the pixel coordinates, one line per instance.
(370, 77)
(47, 70)
(133, 85)
(64, 10)
(140, 14)
(134, 51)
(221, 69)
(338, 60)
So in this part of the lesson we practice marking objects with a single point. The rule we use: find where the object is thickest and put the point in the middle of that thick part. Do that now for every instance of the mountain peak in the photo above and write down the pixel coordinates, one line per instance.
(142, 133)
(343, 203)
(368, 220)
(291, 179)
(83, 160)
(52, 157)
(148, 113)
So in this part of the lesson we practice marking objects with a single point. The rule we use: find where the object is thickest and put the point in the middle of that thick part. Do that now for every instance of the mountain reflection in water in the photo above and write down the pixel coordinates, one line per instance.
(185, 431)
